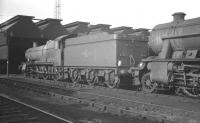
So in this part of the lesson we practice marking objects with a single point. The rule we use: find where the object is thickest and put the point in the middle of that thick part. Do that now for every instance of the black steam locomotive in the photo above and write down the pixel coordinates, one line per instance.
(176, 64)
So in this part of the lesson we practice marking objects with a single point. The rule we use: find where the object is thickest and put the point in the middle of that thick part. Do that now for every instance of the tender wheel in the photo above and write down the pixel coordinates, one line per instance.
(90, 79)
(75, 77)
(113, 83)
(45, 76)
(37, 75)
(147, 85)
(56, 77)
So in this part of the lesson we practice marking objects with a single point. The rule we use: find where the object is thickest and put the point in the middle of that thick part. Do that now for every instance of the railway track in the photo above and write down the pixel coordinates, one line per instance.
(120, 104)
(15, 111)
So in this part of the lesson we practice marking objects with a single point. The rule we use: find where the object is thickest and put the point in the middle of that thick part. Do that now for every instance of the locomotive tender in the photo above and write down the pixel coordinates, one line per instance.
(102, 56)
(177, 61)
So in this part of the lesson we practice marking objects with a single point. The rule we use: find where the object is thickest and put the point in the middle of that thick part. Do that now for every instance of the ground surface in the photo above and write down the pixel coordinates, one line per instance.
(71, 111)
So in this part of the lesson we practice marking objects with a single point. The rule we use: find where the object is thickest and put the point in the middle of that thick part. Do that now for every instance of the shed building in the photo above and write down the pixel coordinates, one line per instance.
(51, 29)
(77, 27)
(16, 35)
(122, 30)
(100, 28)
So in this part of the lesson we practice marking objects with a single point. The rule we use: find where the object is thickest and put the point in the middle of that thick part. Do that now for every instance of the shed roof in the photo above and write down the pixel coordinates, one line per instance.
(51, 28)
(44, 23)
(77, 27)
(21, 26)
(5, 26)
(100, 28)
(122, 30)
(76, 23)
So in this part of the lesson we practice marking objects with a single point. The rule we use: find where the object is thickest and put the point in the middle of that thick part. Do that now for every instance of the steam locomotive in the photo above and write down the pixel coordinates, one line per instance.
(176, 63)
(103, 56)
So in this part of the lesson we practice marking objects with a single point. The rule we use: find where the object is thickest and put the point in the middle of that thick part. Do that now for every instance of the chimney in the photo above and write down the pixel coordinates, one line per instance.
(179, 16)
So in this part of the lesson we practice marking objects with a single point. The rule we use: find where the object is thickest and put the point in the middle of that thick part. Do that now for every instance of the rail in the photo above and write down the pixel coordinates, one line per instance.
(13, 110)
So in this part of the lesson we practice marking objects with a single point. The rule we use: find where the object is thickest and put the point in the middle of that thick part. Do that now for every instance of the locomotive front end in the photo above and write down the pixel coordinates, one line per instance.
(177, 57)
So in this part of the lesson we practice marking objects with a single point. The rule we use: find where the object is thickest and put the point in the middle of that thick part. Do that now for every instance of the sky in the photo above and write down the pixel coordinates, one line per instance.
(132, 13)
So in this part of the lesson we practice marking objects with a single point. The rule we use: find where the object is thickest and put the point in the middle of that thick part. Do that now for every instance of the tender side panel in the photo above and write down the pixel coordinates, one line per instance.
(101, 53)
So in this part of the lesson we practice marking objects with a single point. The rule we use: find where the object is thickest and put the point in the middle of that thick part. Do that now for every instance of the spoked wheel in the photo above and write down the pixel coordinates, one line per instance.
(45, 76)
(37, 76)
(75, 77)
(147, 85)
(56, 77)
(113, 83)
(91, 79)
(56, 74)
(90, 82)
(83, 79)
(178, 91)
(192, 92)
(40, 76)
